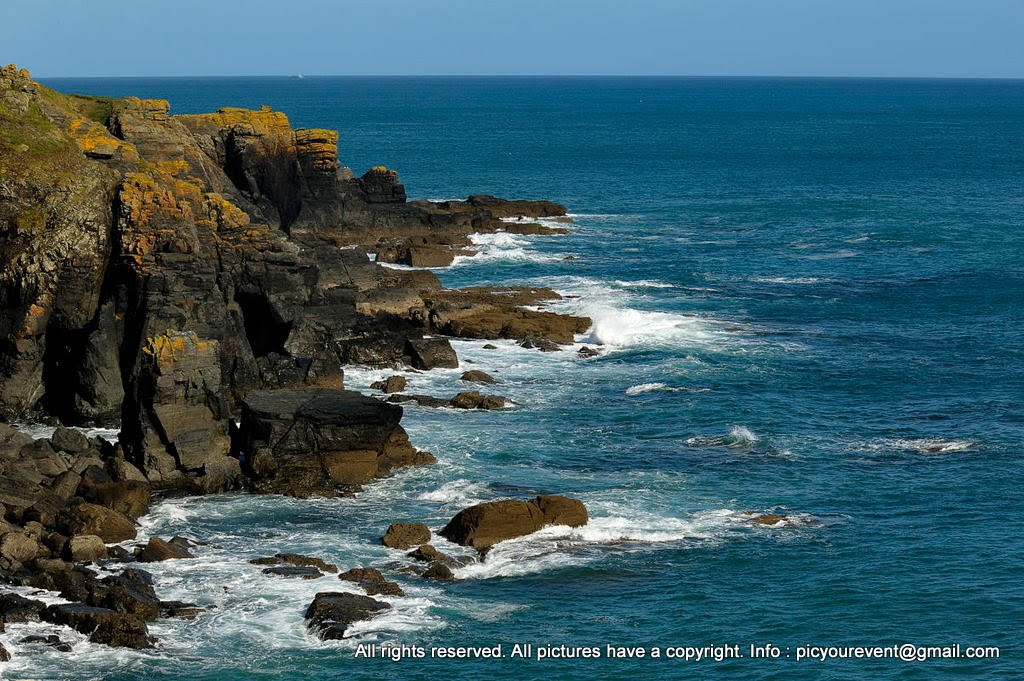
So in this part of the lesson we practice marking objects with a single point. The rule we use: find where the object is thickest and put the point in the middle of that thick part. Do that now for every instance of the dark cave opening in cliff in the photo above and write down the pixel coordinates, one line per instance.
(265, 330)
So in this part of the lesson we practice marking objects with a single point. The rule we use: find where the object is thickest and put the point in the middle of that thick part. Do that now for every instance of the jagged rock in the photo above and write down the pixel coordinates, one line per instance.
(586, 351)
(405, 535)
(477, 376)
(130, 592)
(428, 554)
(4, 655)
(296, 560)
(392, 384)
(156, 549)
(319, 441)
(129, 497)
(422, 400)
(542, 344)
(432, 353)
(15, 608)
(106, 523)
(331, 613)
(85, 548)
(101, 624)
(439, 571)
(560, 510)
(770, 519)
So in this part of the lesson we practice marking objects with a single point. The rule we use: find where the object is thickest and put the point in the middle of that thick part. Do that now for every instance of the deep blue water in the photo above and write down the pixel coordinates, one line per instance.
(810, 298)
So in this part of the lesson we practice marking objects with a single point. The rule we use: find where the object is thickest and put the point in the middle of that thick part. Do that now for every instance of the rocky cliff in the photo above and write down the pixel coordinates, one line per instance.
(159, 268)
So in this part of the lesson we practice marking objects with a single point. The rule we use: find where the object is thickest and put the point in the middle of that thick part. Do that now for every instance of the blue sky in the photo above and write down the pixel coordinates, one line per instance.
(945, 38)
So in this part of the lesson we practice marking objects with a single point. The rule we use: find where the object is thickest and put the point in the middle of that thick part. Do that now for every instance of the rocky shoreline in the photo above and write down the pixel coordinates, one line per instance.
(202, 280)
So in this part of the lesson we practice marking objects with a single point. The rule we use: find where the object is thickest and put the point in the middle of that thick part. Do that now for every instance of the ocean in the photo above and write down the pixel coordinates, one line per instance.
(809, 298)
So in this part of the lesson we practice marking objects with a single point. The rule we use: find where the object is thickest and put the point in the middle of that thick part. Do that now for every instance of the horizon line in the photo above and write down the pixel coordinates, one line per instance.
(300, 76)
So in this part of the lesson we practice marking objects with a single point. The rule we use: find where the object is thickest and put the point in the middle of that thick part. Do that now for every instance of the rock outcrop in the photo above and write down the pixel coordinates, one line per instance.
(331, 613)
(316, 441)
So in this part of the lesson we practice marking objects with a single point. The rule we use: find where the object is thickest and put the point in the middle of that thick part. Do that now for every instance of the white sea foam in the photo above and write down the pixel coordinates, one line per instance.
(642, 284)
(39, 431)
(739, 437)
(924, 445)
(504, 247)
(462, 492)
(791, 280)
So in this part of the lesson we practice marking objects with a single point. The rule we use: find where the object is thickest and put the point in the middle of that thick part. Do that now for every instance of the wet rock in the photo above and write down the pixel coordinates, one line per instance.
(156, 549)
(302, 571)
(477, 376)
(474, 400)
(372, 581)
(330, 614)
(106, 523)
(15, 608)
(180, 610)
(130, 592)
(489, 346)
(102, 625)
(770, 519)
(85, 548)
(432, 353)
(69, 440)
(439, 571)
(128, 497)
(405, 535)
(422, 400)
(586, 351)
(392, 384)
(296, 560)
(425, 553)
(4, 655)
(51, 640)
(559, 510)
(542, 344)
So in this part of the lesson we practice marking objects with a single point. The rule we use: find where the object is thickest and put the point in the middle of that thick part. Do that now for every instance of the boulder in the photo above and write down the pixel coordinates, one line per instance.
(102, 625)
(320, 441)
(477, 376)
(542, 344)
(52, 640)
(69, 440)
(20, 546)
(4, 655)
(392, 384)
(180, 609)
(129, 497)
(486, 524)
(432, 353)
(331, 613)
(405, 535)
(156, 549)
(85, 548)
(130, 592)
(439, 571)
(472, 399)
(106, 523)
(559, 510)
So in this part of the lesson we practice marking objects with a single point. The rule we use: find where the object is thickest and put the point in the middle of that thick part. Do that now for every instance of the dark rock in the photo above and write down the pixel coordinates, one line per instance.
(4, 655)
(129, 497)
(392, 384)
(305, 572)
(296, 560)
(102, 625)
(318, 441)
(477, 376)
(587, 351)
(16, 609)
(130, 592)
(432, 353)
(331, 613)
(560, 510)
(405, 535)
(422, 400)
(156, 549)
(69, 440)
(372, 581)
(426, 553)
(51, 640)
(542, 344)
(490, 346)
(106, 523)
(180, 609)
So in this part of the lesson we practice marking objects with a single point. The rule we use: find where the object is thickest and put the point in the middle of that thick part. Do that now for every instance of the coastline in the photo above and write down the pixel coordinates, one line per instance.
(202, 393)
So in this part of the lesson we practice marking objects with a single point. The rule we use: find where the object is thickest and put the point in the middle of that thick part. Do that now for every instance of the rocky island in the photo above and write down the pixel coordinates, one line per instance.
(201, 281)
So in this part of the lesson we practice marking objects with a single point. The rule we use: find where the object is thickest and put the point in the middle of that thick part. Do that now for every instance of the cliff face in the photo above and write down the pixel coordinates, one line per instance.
(157, 268)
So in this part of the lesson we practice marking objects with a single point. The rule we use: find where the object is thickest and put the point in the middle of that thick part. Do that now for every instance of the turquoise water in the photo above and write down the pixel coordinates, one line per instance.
(808, 294)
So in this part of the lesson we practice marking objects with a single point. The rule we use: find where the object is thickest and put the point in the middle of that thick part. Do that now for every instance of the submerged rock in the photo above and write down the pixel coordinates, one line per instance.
(102, 625)
(372, 581)
(52, 640)
(331, 613)
(297, 560)
(405, 535)
(477, 376)
(303, 571)
(439, 571)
